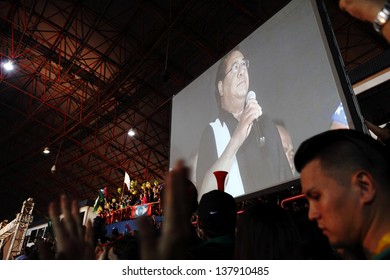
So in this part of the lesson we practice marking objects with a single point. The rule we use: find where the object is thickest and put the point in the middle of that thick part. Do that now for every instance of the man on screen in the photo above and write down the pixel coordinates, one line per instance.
(242, 140)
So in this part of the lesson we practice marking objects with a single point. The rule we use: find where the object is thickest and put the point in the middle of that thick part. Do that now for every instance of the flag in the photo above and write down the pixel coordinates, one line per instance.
(127, 180)
(141, 210)
(101, 195)
(99, 200)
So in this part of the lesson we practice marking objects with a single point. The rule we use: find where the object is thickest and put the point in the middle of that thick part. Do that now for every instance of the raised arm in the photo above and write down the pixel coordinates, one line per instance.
(366, 10)
(251, 112)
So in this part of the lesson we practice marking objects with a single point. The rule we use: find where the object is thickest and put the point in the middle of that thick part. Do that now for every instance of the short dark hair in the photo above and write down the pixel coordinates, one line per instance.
(221, 73)
(343, 151)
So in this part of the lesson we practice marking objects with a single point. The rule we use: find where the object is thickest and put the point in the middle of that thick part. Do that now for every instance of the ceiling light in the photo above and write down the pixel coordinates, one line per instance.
(46, 150)
(8, 66)
(131, 132)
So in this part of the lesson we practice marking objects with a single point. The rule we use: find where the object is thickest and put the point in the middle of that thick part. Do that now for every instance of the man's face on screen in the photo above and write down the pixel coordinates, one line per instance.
(234, 87)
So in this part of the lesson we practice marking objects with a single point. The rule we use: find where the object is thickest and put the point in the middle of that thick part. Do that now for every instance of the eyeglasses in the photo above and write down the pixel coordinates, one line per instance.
(238, 65)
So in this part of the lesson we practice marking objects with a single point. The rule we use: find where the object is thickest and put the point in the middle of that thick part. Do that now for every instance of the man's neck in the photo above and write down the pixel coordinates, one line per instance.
(237, 115)
(377, 238)
(235, 108)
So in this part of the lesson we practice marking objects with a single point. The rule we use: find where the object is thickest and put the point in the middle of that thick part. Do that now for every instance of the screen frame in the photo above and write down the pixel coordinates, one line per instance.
(342, 83)
(348, 99)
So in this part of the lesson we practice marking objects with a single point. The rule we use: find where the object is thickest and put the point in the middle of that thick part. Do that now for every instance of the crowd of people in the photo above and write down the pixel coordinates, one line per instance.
(345, 176)
(115, 205)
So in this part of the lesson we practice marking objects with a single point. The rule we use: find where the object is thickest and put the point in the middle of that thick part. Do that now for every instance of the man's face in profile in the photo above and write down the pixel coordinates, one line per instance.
(235, 85)
(334, 206)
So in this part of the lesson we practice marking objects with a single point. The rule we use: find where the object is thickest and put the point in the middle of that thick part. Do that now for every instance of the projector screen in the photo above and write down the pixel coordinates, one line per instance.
(295, 92)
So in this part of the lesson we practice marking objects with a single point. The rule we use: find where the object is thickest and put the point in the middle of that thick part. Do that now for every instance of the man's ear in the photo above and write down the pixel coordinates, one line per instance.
(365, 184)
(220, 89)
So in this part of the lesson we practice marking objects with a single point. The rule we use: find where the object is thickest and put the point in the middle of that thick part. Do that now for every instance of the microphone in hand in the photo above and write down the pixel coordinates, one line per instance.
(260, 138)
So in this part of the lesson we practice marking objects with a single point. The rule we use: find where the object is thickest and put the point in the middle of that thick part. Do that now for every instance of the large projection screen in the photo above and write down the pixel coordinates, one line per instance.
(295, 82)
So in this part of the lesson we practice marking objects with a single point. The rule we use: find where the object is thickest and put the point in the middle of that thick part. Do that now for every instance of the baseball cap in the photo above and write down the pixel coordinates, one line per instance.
(217, 213)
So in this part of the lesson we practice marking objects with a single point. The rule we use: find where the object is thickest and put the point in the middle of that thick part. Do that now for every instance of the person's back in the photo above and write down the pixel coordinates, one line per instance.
(216, 225)
(267, 232)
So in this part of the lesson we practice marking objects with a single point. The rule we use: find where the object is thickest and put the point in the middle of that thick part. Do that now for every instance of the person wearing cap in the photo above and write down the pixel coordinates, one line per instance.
(345, 175)
(216, 226)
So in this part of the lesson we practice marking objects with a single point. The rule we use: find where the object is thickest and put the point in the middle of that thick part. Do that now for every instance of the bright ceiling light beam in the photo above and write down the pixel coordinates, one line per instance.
(8, 66)
(131, 133)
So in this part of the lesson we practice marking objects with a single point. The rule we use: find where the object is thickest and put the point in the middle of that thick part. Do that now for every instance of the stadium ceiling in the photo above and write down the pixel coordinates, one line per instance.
(87, 71)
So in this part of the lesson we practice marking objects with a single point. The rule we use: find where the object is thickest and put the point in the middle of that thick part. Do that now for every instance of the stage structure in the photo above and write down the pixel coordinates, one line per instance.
(17, 230)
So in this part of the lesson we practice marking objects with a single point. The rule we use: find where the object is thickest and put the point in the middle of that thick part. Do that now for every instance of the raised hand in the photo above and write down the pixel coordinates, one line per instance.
(175, 231)
(72, 241)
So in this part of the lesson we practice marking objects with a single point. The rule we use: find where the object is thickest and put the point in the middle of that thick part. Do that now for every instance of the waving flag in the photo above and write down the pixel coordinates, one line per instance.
(99, 200)
(127, 180)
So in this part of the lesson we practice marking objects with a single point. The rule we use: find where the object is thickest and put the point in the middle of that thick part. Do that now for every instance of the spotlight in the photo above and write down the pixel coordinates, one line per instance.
(131, 133)
(8, 66)
(46, 150)
(53, 169)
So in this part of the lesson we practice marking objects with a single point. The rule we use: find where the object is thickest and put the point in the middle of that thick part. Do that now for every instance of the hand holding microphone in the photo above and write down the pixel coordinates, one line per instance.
(260, 138)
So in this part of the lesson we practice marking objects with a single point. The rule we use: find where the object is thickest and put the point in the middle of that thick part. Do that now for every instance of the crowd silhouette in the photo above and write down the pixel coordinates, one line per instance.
(345, 177)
